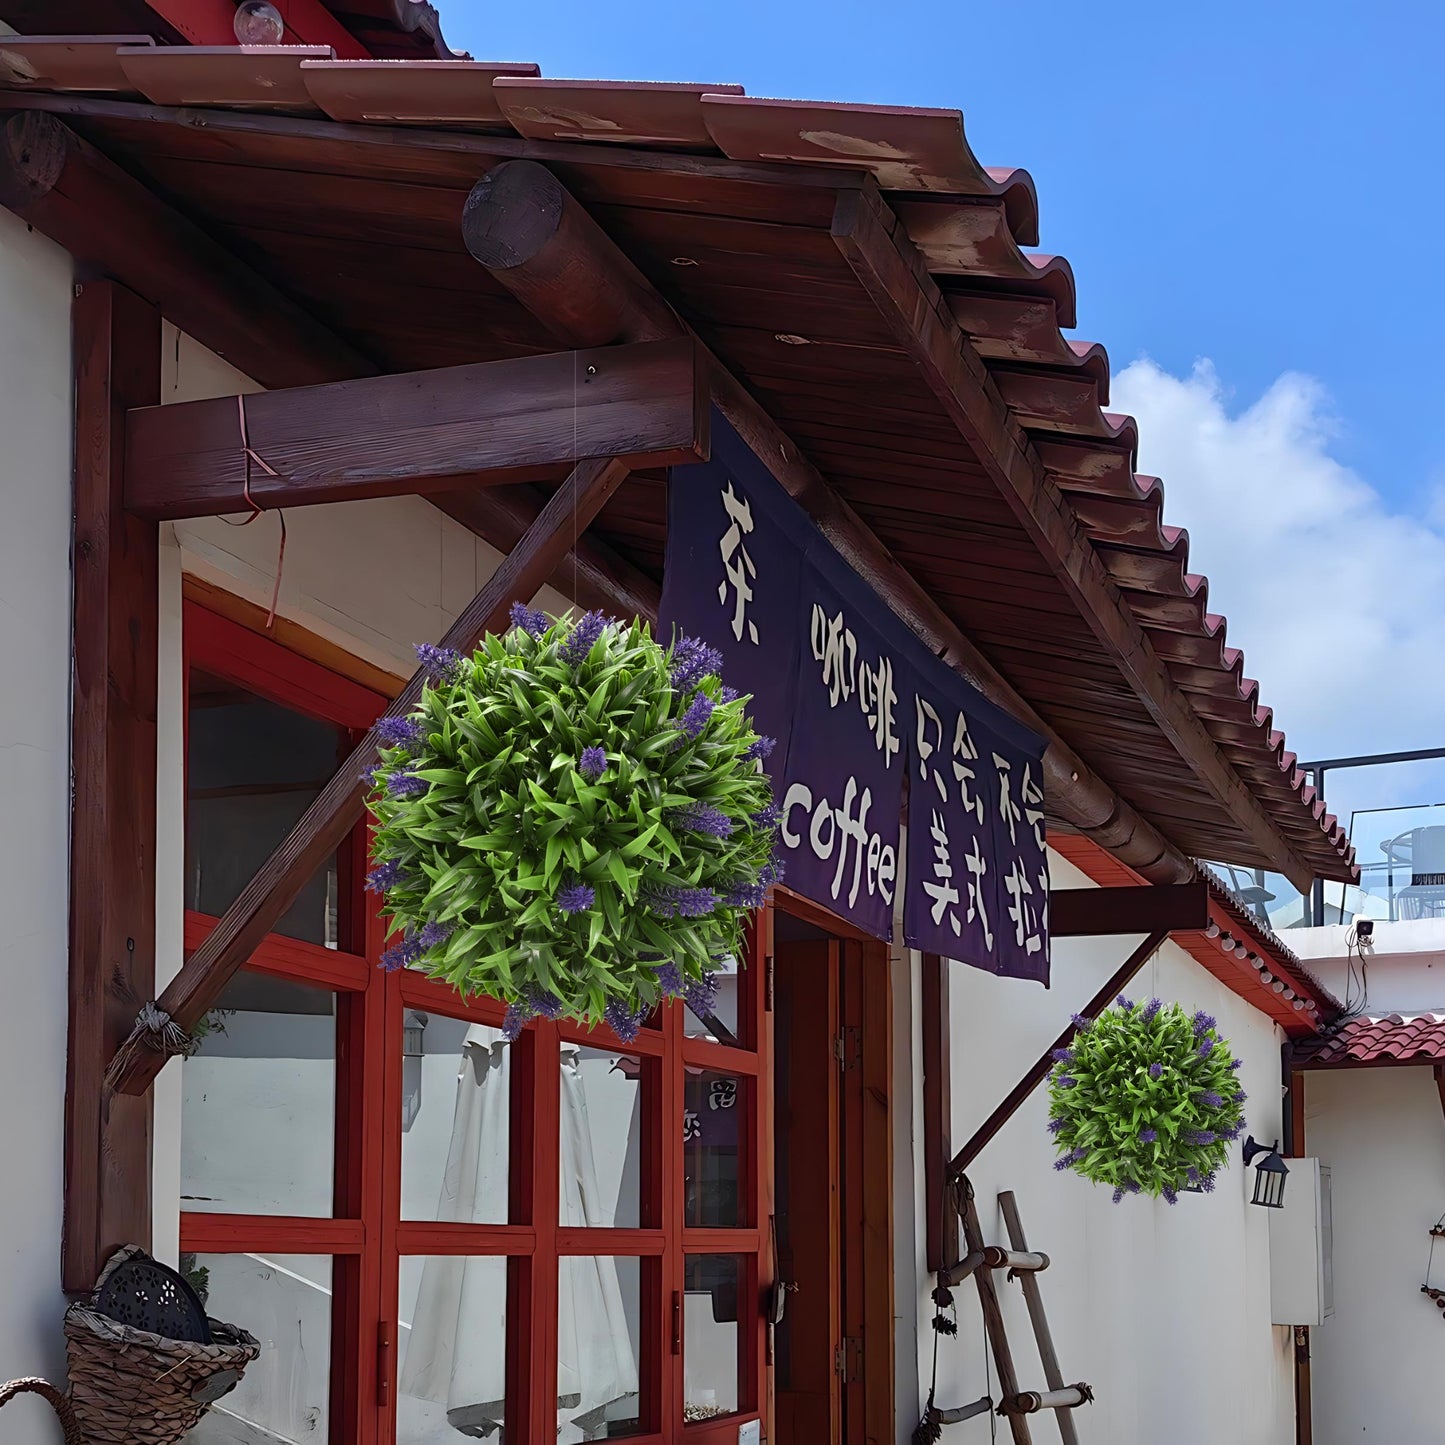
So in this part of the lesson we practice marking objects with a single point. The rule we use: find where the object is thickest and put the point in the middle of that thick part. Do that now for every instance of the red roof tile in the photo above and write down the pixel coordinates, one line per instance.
(1394, 1039)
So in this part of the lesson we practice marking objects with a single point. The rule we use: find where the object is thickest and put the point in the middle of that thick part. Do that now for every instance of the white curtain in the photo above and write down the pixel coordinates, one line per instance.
(456, 1354)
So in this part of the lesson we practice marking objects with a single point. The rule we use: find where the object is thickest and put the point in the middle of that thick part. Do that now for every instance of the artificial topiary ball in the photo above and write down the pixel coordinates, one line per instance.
(574, 820)
(1146, 1100)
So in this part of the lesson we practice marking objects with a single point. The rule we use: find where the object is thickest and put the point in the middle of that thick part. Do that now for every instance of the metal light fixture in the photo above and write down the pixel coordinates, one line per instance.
(1269, 1174)
(258, 22)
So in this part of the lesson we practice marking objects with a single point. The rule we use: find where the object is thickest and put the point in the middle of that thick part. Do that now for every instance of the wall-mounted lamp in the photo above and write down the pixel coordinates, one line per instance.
(1269, 1174)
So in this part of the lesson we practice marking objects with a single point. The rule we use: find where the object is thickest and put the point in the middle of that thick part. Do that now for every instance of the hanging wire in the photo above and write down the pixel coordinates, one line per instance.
(247, 457)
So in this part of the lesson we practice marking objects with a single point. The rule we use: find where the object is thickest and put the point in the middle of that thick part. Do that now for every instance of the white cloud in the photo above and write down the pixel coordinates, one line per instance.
(1337, 599)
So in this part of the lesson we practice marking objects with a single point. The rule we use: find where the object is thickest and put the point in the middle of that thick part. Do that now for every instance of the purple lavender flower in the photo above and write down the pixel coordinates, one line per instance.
(1211, 1100)
(765, 819)
(1234, 1130)
(1063, 1056)
(583, 637)
(703, 818)
(593, 763)
(529, 620)
(543, 1004)
(401, 954)
(1207, 1183)
(695, 719)
(1239, 1096)
(624, 1021)
(575, 898)
(406, 785)
(1203, 1022)
(1156, 1070)
(1192, 1175)
(1202, 1137)
(1081, 1023)
(383, 876)
(745, 895)
(1132, 1185)
(1206, 1047)
(1069, 1159)
(670, 980)
(517, 1017)
(1066, 1081)
(399, 732)
(772, 871)
(1055, 1125)
(1170, 1197)
(1151, 1010)
(373, 776)
(727, 694)
(669, 902)
(440, 663)
(1148, 1136)
(433, 933)
(1119, 1195)
(693, 660)
(1124, 1003)
(1236, 1064)
(760, 749)
(702, 995)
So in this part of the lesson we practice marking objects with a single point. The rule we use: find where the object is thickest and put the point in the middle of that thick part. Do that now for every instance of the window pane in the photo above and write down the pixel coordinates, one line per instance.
(601, 1139)
(253, 768)
(451, 1349)
(258, 1103)
(456, 1121)
(710, 1333)
(599, 1348)
(724, 1022)
(285, 1301)
(715, 1111)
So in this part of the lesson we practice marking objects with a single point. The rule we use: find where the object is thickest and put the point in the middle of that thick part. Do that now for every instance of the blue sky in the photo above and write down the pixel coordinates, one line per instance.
(1251, 197)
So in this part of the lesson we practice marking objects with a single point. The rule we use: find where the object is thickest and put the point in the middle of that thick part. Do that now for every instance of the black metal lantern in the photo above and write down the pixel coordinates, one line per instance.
(1269, 1173)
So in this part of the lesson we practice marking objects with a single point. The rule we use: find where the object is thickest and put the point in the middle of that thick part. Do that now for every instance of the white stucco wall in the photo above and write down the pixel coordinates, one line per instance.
(35, 491)
(1402, 970)
(1376, 1360)
(1164, 1310)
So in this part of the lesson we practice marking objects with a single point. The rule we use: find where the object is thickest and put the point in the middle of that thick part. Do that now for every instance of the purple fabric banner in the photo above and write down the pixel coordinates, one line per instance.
(861, 711)
(978, 883)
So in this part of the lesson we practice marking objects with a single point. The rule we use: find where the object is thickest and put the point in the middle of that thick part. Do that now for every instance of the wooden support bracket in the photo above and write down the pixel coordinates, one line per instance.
(1040, 1067)
(1097, 912)
(340, 804)
(485, 424)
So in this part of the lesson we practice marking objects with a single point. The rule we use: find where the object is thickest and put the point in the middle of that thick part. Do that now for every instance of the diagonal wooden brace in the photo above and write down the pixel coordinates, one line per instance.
(341, 803)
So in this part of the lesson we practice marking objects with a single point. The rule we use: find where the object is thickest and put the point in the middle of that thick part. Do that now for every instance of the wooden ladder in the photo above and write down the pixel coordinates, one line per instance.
(1025, 1265)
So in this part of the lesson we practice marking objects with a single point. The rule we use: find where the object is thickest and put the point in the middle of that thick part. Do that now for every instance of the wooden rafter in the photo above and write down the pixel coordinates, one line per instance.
(487, 423)
(117, 340)
(112, 224)
(540, 242)
(340, 804)
(906, 296)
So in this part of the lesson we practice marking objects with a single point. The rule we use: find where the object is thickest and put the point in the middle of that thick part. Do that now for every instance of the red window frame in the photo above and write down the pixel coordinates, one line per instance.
(367, 1235)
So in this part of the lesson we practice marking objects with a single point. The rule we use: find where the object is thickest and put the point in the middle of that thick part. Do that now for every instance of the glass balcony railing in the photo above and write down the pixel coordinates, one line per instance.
(1400, 844)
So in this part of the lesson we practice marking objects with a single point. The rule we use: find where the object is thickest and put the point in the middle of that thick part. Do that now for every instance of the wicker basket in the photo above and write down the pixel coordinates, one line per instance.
(131, 1387)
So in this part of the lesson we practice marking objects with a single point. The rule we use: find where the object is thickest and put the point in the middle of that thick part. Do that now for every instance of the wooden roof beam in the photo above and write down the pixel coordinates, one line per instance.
(540, 242)
(114, 226)
(895, 276)
(487, 423)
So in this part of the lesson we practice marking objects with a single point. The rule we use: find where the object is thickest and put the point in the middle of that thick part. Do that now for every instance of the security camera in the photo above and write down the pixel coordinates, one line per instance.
(1364, 929)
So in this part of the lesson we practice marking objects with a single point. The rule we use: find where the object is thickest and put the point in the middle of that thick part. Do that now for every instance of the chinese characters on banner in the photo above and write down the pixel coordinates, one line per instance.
(860, 709)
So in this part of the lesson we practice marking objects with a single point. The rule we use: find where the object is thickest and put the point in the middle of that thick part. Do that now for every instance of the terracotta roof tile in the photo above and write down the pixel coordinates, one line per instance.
(1393, 1039)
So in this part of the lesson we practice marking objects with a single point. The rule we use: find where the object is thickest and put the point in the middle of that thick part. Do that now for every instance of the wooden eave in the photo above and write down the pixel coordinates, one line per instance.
(359, 225)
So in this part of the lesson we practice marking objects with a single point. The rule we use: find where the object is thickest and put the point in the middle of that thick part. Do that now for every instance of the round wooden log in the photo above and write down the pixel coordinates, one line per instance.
(523, 225)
